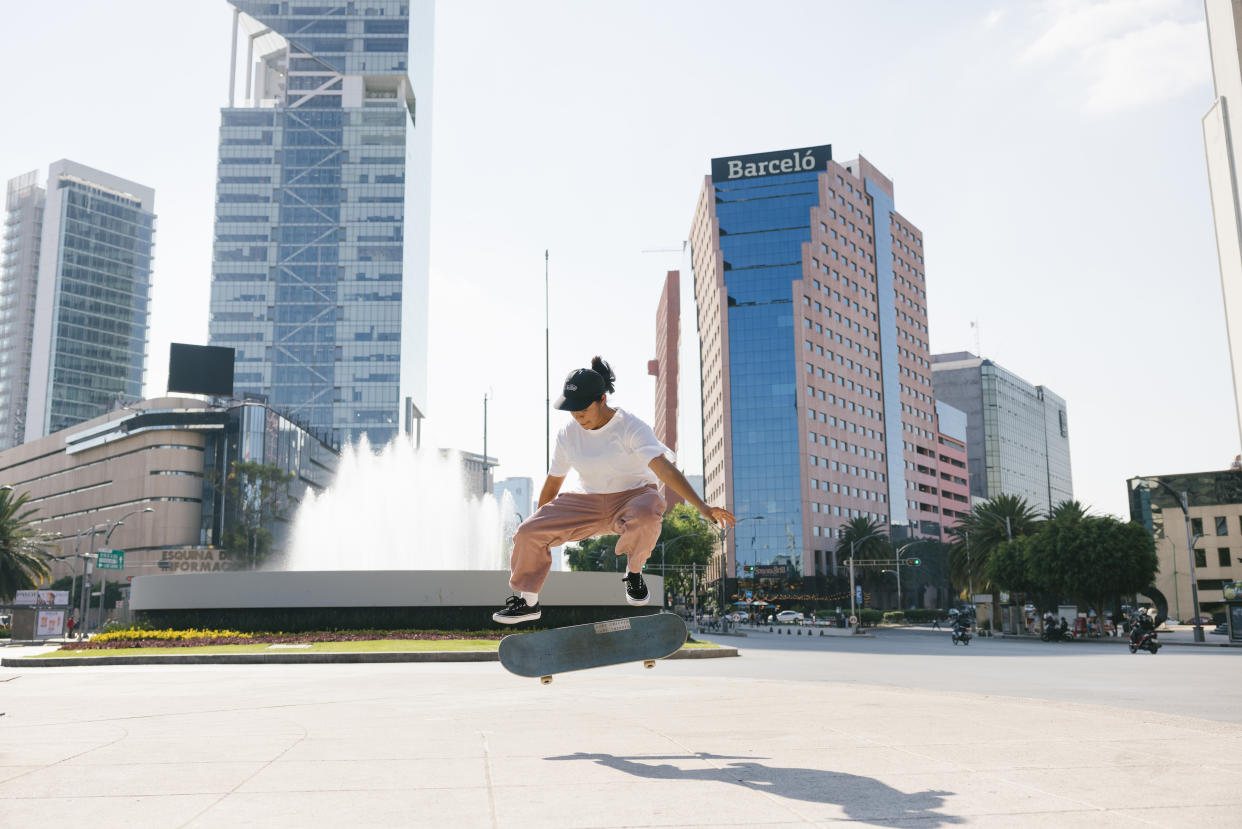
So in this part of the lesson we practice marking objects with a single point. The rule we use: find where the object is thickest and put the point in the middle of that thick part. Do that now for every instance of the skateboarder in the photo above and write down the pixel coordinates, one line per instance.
(619, 461)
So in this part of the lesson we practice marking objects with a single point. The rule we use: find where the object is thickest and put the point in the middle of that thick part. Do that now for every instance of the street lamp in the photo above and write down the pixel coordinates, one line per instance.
(103, 583)
(901, 550)
(1183, 500)
(853, 544)
(724, 561)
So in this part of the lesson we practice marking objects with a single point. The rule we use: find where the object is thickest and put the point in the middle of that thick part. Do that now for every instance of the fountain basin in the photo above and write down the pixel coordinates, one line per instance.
(295, 601)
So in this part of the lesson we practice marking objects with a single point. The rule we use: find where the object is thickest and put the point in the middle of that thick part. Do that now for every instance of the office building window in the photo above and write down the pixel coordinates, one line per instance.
(1196, 526)
(1222, 525)
(1222, 556)
(1201, 558)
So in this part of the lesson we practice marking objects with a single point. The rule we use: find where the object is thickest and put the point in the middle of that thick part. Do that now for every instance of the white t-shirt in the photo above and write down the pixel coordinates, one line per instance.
(612, 458)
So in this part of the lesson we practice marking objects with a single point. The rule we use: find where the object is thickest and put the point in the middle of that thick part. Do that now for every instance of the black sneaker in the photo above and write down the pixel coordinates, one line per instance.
(635, 589)
(517, 610)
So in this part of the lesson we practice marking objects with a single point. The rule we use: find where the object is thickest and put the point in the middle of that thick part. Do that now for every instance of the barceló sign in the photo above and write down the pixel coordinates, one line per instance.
(803, 160)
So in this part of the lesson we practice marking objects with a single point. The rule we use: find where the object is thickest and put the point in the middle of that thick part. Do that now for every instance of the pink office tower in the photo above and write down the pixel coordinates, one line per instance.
(817, 394)
(664, 369)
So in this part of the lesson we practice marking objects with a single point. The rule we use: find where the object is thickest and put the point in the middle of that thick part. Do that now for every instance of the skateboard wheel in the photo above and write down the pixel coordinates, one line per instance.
(545, 680)
(648, 663)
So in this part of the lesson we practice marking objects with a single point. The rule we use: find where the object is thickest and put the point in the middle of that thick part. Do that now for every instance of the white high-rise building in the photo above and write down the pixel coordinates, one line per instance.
(1222, 130)
(75, 295)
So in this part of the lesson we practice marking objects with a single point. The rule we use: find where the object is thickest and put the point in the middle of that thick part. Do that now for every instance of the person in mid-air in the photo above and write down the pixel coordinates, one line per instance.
(619, 461)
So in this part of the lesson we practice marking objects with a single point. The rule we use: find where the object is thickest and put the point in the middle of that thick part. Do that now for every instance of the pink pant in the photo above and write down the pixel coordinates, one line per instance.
(636, 515)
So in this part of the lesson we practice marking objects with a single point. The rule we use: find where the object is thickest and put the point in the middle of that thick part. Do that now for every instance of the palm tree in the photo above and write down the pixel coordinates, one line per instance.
(869, 540)
(23, 559)
(989, 524)
(1068, 512)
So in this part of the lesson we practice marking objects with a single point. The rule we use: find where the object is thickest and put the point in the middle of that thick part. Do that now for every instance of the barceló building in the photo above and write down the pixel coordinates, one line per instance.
(817, 397)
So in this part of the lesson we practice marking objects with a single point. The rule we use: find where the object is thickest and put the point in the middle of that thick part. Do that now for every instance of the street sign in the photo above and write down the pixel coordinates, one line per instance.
(111, 560)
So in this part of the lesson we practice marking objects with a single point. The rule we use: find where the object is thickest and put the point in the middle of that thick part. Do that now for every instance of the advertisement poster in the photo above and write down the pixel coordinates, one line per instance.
(38, 598)
(50, 623)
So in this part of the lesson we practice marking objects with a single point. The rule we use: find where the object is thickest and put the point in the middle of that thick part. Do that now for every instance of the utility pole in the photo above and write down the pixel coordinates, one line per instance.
(547, 372)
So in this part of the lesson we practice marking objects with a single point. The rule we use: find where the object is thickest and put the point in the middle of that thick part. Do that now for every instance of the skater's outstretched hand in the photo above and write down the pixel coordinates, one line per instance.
(720, 516)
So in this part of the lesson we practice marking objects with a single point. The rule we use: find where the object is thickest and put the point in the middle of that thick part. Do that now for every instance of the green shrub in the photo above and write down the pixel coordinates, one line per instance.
(868, 617)
(6, 633)
(895, 617)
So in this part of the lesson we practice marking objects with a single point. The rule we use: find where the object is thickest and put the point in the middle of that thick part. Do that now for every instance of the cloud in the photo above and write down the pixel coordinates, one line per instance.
(1126, 54)
(993, 17)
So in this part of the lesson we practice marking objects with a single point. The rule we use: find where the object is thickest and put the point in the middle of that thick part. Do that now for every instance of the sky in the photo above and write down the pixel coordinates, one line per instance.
(1050, 151)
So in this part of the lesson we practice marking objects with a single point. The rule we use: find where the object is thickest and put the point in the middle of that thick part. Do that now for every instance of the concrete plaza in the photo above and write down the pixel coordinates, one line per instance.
(902, 730)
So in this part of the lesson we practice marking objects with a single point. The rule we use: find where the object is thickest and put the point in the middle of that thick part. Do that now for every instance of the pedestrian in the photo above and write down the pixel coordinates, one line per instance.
(935, 623)
(71, 624)
(619, 461)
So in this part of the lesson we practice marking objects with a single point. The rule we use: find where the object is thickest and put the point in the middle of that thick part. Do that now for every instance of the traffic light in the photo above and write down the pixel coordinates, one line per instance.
(913, 562)
(749, 568)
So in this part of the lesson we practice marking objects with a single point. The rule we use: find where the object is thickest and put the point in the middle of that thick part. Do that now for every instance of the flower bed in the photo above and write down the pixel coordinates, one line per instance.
(131, 638)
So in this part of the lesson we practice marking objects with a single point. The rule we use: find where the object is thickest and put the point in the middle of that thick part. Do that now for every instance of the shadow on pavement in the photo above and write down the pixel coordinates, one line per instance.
(863, 798)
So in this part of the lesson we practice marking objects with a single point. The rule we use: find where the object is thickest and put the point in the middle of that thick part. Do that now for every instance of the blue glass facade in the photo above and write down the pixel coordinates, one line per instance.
(890, 370)
(764, 223)
(307, 269)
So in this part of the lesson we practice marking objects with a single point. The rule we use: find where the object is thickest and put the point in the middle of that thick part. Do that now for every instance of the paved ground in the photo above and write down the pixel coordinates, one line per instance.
(900, 730)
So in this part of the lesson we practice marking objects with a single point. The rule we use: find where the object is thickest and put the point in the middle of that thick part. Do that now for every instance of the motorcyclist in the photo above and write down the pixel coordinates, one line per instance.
(1140, 625)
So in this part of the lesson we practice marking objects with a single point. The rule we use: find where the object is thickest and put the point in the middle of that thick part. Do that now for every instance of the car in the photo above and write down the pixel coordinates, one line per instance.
(737, 616)
(789, 616)
(1203, 620)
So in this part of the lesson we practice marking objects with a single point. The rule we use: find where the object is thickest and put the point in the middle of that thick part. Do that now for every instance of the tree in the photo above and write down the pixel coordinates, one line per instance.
(988, 525)
(24, 553)
(869, 541)
(596, 554)
(685, 536)
(258, 494)
(1101, 558)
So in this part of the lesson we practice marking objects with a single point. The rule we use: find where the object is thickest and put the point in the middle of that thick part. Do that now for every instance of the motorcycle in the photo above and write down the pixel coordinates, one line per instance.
(1057, 633)
(961, 633)
(1143, 635)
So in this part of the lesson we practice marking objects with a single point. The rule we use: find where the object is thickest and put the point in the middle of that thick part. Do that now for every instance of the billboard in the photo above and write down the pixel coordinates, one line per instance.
(200, 369)
(47, 598)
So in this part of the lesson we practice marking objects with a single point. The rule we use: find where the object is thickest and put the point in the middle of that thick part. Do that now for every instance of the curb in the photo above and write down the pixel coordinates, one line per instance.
(1121, 642)
(302, 658)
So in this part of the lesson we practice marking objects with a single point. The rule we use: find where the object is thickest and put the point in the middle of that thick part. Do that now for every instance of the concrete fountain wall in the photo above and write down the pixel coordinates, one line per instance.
(357, 599)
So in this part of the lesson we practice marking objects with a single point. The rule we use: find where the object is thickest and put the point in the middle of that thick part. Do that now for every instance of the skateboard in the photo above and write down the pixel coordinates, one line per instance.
(634, 639)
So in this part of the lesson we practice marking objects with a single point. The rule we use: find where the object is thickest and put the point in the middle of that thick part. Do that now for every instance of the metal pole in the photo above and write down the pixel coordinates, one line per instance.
(970, 575)
(852, 614)
(547, 372)
(233, 59)
(1194, 584)
(694, 588)
(899, 607)
(485, 443)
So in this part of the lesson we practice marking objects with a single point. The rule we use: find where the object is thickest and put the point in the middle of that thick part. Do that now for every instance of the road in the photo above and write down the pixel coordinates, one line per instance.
(1187, 681)
(899, 730)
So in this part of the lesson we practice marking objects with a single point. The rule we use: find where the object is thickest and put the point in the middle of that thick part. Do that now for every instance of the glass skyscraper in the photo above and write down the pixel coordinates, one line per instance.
(76, 286)
(817, 399)
(1017, 434)
(309, 283)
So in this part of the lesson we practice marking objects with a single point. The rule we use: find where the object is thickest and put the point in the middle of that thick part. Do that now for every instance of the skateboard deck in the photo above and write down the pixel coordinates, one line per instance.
(634, 639)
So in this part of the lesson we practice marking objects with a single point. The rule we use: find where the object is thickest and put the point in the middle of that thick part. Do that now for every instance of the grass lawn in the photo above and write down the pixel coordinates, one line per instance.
(368, 646)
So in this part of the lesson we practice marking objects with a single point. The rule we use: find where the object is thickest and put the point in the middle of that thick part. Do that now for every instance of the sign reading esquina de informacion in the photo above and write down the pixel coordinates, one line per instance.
(804, 160)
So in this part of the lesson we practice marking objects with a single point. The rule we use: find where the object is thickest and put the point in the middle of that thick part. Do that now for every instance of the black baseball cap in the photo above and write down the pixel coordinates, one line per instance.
(582, 388)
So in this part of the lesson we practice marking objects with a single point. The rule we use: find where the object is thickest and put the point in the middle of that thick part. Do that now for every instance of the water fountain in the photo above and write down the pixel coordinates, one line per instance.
(395, 541)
